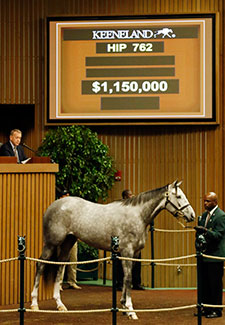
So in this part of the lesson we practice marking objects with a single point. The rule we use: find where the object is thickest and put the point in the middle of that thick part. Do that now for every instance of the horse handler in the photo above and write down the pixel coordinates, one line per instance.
(212, 226)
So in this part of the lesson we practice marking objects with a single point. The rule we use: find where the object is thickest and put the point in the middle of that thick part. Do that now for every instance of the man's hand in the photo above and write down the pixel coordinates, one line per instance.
(200, 229)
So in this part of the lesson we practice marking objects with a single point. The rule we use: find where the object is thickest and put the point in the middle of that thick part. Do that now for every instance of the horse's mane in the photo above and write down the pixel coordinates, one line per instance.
(144, 196)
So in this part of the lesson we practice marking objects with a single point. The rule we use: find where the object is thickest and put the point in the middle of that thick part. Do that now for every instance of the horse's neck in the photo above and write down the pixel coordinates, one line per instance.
(153, 207)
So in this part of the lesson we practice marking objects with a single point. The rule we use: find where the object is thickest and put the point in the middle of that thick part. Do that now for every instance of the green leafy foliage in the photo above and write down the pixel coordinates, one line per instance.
(85, 166)
(86, 253)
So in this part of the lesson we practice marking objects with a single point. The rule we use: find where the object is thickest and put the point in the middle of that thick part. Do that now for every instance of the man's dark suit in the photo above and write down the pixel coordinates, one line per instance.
(212, 268)
(7, 150)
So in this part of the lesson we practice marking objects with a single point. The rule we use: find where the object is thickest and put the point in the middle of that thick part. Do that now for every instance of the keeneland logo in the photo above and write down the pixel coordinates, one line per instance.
(164, 32)
(133, 33)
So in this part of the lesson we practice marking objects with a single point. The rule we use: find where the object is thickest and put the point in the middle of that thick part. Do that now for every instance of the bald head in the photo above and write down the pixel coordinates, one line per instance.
(127, 194)
(210, 201)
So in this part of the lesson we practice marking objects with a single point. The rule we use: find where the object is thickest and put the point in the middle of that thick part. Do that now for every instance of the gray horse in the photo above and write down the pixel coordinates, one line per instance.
(72, 218)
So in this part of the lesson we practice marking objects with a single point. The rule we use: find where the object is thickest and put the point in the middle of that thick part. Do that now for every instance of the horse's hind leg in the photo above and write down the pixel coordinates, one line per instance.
(46, 254)
(34, 294)
(63, 257)
(56, 290)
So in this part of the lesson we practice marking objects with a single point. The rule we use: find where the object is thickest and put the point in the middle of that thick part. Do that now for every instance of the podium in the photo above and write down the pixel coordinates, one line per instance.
(8, 160)
(26, 190)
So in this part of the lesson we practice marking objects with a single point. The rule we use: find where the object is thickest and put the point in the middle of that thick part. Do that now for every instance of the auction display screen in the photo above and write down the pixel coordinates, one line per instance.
(130, 69)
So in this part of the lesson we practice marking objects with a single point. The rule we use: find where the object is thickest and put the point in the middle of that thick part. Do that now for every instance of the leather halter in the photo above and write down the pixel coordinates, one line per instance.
(178, 213)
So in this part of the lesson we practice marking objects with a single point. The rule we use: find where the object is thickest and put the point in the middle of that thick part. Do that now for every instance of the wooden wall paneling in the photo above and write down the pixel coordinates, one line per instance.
(31, 214)
(4, 223)
(19, 217)
(8, 234)
(119, 151)
(27, 221)
(12, 239)
(17, 232)
(146, 267)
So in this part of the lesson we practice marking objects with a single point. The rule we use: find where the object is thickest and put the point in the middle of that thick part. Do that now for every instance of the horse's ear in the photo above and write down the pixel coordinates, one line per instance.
(178, 183)
(174, 184)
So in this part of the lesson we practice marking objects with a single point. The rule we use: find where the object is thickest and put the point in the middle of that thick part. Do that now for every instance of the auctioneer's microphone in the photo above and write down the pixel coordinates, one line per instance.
(26, 146)
(29, 148)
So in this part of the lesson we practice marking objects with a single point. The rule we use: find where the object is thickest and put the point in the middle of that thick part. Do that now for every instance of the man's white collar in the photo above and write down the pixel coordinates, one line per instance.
(213, 210)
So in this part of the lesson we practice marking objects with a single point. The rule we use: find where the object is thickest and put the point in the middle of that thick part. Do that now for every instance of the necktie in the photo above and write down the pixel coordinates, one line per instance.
(207, 219)
(16, 154)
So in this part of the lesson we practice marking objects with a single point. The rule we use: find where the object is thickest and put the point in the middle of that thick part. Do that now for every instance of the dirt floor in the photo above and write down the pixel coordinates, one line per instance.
(100, 297)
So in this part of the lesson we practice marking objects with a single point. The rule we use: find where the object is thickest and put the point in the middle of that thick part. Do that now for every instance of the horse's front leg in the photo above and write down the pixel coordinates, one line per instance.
(64, 252)
(56, 290)
(126, 300)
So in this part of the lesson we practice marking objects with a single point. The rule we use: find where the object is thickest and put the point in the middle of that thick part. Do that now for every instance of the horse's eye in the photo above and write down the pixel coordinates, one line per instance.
(178, 196)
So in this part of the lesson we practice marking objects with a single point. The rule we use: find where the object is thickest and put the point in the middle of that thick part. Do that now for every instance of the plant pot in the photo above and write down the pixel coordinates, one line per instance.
(92, 275)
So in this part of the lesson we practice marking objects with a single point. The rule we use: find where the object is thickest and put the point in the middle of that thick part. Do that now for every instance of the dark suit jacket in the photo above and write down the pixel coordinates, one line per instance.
(215, 236)
(7, 150)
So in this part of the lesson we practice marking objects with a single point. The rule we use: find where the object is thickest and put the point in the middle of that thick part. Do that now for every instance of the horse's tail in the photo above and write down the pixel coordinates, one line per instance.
(50, 270)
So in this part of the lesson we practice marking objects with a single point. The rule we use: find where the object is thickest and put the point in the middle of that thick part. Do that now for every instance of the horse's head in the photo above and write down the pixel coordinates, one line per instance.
(177, 203)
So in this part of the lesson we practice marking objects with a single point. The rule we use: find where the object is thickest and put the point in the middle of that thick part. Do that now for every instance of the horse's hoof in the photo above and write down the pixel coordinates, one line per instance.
(133, 316)
(62, 308)
(34, 307)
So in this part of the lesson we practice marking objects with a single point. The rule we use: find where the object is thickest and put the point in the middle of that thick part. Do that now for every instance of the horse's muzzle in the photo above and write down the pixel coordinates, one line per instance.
(190, 217)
